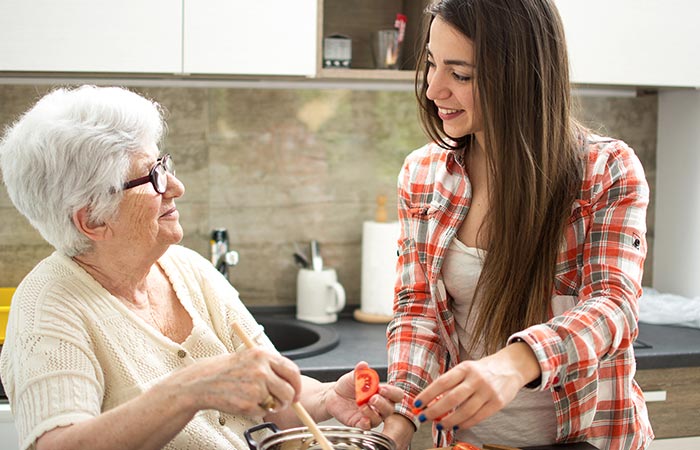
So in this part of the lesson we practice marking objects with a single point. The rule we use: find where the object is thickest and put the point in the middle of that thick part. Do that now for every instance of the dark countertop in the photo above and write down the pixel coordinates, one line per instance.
(658, 347)
(670, 346)
(358, 342)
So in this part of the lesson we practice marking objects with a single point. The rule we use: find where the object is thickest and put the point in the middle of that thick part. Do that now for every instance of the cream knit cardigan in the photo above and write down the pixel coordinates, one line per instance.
(73, 350)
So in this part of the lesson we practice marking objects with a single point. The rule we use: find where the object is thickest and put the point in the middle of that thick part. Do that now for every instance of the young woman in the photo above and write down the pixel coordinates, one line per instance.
(522, 245)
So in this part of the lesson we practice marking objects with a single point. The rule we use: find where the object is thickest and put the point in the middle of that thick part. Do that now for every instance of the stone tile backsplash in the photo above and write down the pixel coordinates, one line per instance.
(280, 167)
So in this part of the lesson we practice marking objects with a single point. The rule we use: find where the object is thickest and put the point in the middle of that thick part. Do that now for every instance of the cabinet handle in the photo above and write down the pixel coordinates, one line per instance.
(654, 396)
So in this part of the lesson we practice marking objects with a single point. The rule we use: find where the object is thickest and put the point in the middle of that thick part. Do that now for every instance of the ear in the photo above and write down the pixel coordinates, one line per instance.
(94, 232)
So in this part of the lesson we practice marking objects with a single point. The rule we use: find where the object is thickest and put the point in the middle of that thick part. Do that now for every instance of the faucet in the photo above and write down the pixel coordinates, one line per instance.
(221, 257)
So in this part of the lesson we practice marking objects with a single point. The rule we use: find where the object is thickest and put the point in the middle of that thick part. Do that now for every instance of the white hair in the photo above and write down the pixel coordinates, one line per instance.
(73, 149)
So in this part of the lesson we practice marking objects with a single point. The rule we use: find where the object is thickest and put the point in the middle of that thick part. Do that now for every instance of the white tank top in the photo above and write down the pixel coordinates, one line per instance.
(530, 418)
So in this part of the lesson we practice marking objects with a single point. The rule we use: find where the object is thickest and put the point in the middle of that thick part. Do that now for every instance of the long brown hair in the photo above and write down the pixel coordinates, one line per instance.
(531, 143)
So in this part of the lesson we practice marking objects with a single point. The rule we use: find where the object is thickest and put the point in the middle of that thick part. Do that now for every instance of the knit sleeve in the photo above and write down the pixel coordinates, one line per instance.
(53, 376)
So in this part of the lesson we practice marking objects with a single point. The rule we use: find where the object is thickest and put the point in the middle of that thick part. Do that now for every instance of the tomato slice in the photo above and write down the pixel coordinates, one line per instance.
(465, 446)
(366, 385)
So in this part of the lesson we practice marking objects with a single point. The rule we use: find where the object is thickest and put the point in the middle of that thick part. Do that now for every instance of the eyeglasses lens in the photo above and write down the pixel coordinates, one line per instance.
(160, 179)
(161, 171)
(169, 165)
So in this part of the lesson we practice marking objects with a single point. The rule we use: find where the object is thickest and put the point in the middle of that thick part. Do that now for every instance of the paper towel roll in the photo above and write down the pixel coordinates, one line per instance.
(379, 243)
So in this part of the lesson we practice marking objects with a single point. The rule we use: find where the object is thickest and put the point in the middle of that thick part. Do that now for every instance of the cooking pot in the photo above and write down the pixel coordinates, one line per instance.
(301, 438)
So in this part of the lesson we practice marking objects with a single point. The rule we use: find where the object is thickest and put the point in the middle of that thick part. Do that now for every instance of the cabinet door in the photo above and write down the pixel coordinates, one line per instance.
(91, 35)
(633, 42)
(673, 396)
(261, 37)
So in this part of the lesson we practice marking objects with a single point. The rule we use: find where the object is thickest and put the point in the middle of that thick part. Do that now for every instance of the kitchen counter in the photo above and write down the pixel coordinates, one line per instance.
(358, 342)
(670, 347)
(658, 347)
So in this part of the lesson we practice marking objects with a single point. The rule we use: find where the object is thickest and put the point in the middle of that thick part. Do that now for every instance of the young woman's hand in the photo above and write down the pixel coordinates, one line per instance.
(474, 390)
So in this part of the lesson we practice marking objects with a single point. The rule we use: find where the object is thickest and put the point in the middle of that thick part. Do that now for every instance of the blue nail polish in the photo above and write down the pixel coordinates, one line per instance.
(422, 418)
(455, 428)
(418, 403)
(439, 427)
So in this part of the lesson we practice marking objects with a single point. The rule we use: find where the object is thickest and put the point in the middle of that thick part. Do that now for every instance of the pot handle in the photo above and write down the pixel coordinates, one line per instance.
(252, 443)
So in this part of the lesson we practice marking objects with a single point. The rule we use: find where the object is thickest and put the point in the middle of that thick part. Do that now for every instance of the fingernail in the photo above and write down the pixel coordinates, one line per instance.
(439, 427)
(418, 403)
(422, 418)
(455, 428)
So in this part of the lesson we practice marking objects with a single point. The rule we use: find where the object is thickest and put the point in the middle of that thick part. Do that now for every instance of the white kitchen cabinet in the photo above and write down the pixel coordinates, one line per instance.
(633, 42)
(611, 42)
(615, 43)
(8, 432)
(261, 37)
(91, 36)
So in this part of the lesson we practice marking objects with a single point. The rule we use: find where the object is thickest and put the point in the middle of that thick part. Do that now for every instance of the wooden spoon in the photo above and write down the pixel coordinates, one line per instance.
(299, 409)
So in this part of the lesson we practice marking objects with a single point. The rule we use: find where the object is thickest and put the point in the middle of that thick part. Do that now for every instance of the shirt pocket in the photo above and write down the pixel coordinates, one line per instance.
(421, 216)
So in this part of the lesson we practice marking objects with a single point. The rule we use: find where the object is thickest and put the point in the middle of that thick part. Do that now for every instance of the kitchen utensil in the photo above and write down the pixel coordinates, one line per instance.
(301, 260)
(316, 259)
(298, 408)
(319, 296)
(337, 51)
(300, 438)
(386, 49)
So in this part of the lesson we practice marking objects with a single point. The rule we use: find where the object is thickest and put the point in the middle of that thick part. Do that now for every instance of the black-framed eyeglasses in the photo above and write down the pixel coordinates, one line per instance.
(158, 175)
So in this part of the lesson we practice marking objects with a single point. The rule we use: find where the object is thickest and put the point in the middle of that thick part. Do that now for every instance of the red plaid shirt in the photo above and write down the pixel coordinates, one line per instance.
(585, 353)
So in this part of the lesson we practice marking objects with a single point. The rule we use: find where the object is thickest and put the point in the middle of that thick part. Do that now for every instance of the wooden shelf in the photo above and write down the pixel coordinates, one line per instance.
(359, 20)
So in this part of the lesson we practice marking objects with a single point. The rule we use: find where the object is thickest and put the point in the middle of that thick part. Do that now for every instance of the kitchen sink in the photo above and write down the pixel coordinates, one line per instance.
(640, 344)
(296, 339)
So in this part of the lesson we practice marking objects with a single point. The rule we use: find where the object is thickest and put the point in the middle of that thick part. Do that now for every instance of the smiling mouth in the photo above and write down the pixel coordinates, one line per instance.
(447, 113)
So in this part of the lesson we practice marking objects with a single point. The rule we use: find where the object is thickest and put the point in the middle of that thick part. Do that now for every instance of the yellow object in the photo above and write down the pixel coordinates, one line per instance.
(5, 299)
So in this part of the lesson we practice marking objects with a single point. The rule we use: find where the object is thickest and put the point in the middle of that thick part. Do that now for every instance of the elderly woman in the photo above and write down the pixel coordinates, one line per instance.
(120, 338)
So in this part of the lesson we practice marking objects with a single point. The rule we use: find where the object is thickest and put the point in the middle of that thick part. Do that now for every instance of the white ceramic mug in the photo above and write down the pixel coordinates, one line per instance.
(319, 296)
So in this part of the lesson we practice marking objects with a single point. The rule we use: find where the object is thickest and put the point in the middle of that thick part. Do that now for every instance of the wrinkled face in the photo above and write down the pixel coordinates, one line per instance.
(146, 219)
(451, 84)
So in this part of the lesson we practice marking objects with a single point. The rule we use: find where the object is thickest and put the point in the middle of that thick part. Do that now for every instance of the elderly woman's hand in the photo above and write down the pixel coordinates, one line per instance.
(340, 402)
(240, 383)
